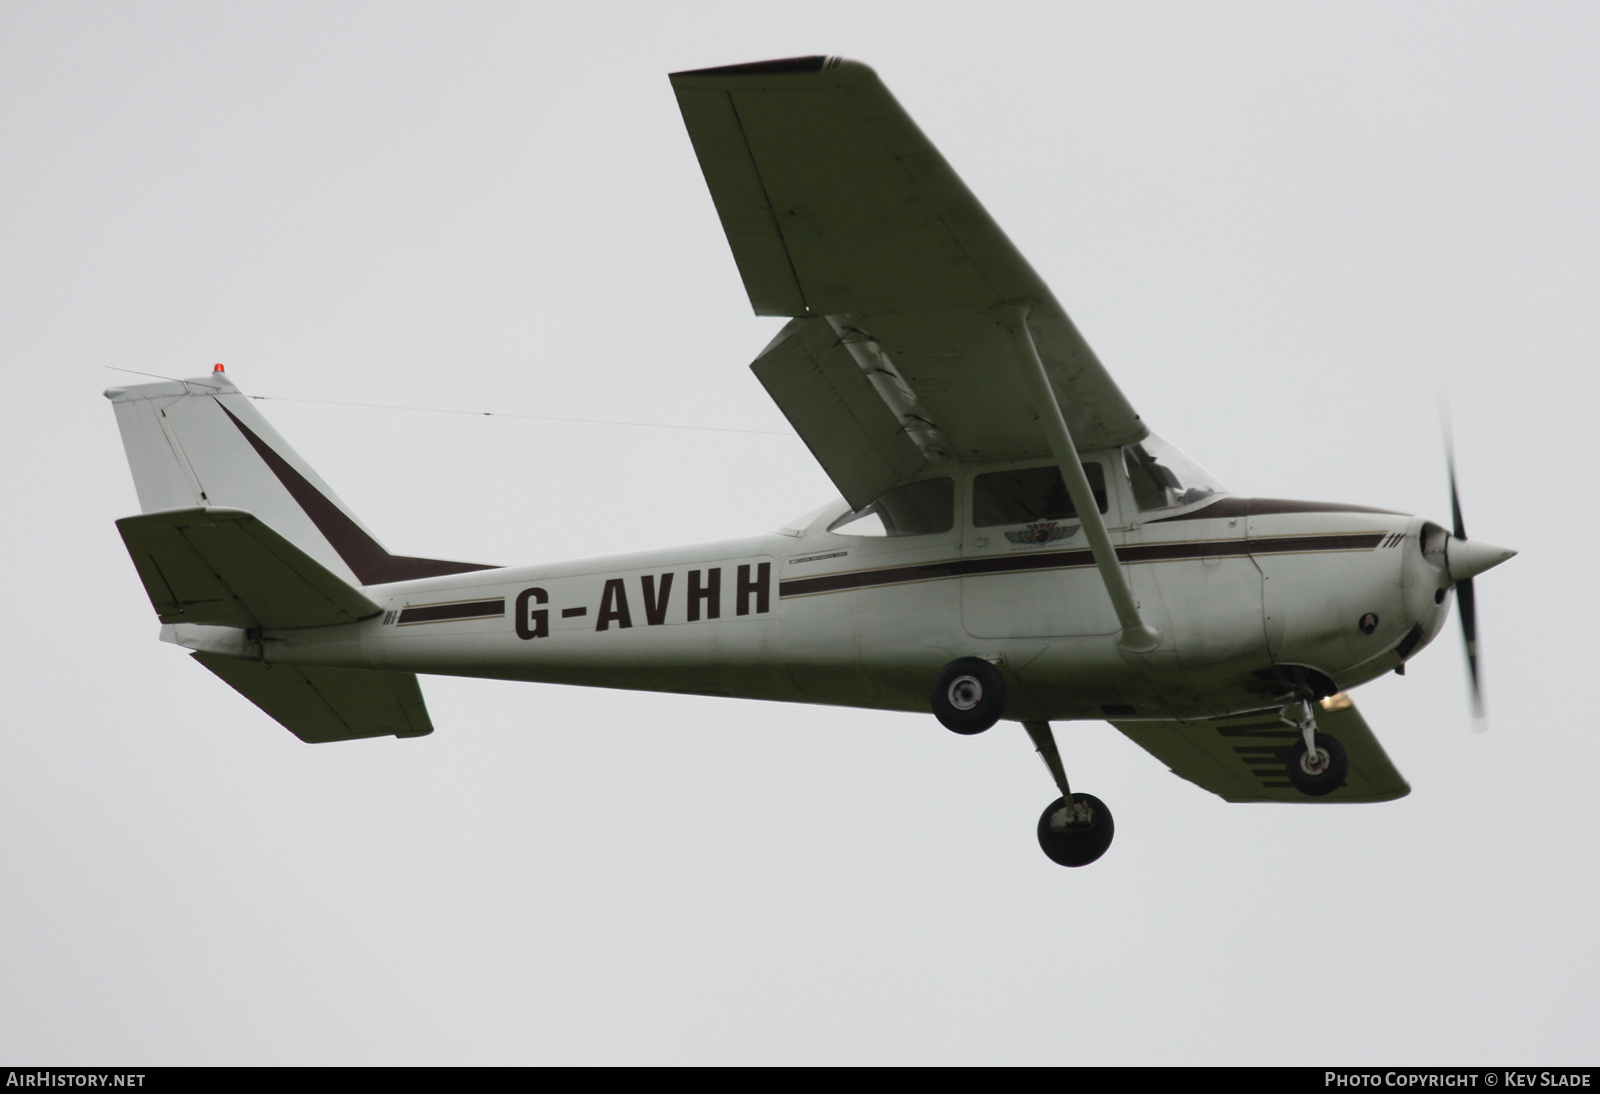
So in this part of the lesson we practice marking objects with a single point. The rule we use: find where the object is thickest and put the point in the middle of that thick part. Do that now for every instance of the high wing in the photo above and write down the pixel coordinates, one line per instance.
(1242, 758)
(843, 215)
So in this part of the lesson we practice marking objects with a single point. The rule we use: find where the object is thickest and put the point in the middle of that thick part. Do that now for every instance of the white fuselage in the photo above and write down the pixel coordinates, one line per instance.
(1245, 593)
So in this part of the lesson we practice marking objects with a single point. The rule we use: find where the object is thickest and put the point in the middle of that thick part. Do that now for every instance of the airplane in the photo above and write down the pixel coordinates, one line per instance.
(1011, 541)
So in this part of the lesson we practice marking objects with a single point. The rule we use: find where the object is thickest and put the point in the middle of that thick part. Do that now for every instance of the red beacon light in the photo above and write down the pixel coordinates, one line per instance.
(218, 367)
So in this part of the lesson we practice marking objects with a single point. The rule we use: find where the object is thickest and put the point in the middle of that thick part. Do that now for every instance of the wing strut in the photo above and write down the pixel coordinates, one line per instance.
(1137, 635)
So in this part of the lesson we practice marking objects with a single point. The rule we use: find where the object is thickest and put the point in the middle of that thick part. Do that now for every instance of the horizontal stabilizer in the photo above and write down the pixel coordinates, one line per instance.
(320, 704)
(1244, 758)
(225, 567)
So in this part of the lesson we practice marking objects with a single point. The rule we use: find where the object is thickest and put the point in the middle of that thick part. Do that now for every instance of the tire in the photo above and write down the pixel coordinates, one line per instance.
(969, 695)
(1077, 847)
(1335, 767)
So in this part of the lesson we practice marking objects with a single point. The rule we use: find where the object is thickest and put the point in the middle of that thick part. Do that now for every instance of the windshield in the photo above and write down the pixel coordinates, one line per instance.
(1163, 477)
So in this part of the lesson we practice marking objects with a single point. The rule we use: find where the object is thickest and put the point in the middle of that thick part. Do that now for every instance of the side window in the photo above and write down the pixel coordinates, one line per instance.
(1030, 494)
(916, 509)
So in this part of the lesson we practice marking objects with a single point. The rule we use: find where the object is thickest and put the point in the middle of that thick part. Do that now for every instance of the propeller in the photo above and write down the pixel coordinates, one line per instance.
(1465, 559)
(1466, 599)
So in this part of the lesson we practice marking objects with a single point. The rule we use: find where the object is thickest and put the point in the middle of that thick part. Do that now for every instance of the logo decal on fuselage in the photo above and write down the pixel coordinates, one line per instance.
(1043, 531)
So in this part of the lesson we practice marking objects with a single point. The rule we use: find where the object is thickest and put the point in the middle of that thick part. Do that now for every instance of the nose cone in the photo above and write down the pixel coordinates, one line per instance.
(1467, 558)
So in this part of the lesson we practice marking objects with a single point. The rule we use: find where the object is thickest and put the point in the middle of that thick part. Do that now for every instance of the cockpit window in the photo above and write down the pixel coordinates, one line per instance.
(916, 509)
(1163, 477)
(1029, 494)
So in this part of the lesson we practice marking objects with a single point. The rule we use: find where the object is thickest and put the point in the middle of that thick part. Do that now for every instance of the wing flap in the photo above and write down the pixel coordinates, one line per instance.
(1241, 759)
(319, 704)
(837, 412)
(225, 567)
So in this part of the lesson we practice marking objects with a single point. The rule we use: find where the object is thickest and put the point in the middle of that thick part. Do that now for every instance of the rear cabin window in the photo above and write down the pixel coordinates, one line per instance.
(1030, 494)
(916, 509)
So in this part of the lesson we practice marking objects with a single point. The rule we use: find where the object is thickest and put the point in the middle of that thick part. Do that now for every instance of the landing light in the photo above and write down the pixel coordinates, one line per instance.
(1339, 701)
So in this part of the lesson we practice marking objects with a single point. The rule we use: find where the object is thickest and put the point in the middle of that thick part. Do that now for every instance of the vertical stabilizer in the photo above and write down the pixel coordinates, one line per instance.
(200, 443)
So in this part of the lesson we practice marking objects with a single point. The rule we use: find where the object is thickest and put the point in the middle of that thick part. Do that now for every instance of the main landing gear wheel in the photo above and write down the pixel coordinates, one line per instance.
(1076, 834)
(969, 695)
(1319, 774)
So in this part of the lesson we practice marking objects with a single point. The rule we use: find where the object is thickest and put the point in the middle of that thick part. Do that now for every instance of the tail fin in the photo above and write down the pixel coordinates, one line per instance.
(201, 444)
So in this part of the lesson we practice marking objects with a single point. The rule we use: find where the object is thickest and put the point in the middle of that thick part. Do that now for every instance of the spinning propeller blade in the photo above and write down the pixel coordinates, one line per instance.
(1465, 597)
(1465, 559)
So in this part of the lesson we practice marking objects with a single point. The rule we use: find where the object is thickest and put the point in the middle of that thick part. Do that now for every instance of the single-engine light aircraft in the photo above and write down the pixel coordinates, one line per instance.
(1012, 541)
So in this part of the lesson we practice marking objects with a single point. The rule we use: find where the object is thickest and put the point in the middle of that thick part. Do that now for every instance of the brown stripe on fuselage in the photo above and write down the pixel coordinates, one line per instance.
(933, 571)
(1293, 545)
(365, 556)
(439, 613)
(1170, 552)
(1063, 560)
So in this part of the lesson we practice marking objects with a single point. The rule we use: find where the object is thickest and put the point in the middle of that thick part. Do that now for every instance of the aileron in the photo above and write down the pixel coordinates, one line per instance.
(742, 204)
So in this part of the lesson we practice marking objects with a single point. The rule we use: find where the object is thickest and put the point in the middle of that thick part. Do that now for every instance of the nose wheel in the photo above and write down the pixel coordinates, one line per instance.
(1319, 773)
(1318, 763)
(1075, 829)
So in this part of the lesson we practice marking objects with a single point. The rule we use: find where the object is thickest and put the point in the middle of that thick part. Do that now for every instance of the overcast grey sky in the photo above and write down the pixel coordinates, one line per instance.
(1285, 228)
